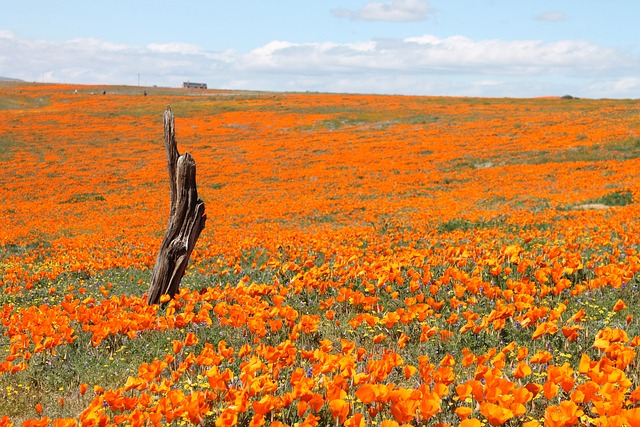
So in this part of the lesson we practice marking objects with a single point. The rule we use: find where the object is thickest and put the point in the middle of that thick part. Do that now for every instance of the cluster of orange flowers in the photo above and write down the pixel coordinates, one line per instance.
(367, 259)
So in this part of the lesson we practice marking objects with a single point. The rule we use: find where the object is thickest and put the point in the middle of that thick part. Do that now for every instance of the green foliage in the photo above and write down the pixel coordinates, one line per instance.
(617, 198)
(85, 197)
(464, 224)
(20, 101)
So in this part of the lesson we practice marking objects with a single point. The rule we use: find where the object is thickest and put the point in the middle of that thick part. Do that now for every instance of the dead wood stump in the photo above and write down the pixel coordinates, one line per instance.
(186, 218)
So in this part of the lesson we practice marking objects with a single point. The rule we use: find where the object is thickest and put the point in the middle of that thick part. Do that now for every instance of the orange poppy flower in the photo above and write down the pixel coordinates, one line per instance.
(191, 339)
(429, 405)
(409, 371)
(522, 370)
(495, 414)
(339, 409)
(463, 412)
(379, 338)
(541, 356)
(176, 346)
(357, 420)
(563, 415)
(619, 305)
(632, 416)
(43, 422)
(228, 418)
(83, 388)
(571, 332)
(545, 328)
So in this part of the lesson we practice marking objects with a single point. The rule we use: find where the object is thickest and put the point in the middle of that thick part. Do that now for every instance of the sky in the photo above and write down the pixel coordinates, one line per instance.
(489, 48)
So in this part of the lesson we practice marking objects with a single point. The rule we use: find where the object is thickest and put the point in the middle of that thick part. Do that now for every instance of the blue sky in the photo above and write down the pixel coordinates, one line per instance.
(497, 48)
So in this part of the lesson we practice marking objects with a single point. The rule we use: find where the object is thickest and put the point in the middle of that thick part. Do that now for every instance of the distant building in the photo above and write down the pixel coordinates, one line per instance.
(191, 85)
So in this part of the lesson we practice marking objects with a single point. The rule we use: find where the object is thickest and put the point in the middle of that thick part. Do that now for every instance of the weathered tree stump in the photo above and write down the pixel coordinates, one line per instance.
(186, 219)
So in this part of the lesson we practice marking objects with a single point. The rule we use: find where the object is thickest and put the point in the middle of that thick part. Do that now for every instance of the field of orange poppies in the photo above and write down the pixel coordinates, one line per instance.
(367, 260)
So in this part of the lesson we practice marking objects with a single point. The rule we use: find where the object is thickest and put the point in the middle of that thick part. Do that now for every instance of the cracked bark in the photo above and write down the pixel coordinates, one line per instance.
(186, 219)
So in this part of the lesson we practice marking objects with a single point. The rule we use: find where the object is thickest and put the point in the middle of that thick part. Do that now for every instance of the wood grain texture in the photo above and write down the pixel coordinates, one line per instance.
(186, 218)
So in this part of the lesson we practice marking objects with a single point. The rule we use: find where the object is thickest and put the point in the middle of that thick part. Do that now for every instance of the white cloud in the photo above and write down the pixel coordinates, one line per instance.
(93, 44)
(182, 48)
(394, 11)
(96, 61)
(624, 87)
(423, 65)
(6, 34)
(430, 54)
(553, 16)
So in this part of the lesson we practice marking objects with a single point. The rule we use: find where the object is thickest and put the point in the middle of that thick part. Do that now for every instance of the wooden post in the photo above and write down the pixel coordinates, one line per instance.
(186, 218)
